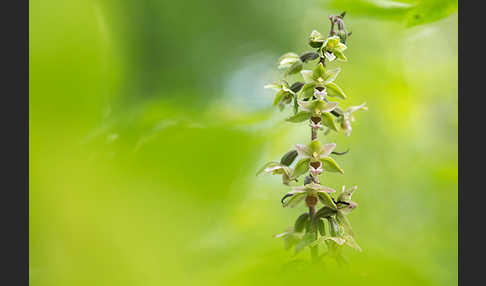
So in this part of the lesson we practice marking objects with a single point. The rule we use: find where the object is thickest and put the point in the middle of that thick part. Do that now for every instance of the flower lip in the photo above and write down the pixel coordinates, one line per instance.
(316, 119)
(316, 164)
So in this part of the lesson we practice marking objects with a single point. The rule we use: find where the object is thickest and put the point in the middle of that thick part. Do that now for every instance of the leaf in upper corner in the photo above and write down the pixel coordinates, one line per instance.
(378, 9)
(410, 12)
(430, 11)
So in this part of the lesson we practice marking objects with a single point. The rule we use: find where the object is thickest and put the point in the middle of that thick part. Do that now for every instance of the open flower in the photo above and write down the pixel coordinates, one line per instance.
(346, 117)
(284, 95)
(313, 154)
(345, 195)
(321, 79)
(318, 106)
(276, 168)
(316, 40)
(333, 49)
(344, 207)
(315, 168)
(316, 123)
(310, 192)
(292, 62)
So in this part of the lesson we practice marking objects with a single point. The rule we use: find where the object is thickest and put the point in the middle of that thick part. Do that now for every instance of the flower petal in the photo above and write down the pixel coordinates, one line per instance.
(303, 150)
(331, 75)
(327, 149)
(307, 75)
(274, 85)
(329, 56)
(352, 109)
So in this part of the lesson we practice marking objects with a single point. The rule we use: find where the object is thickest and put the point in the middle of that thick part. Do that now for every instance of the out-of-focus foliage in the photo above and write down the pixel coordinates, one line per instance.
(410, 12)
(148, 121)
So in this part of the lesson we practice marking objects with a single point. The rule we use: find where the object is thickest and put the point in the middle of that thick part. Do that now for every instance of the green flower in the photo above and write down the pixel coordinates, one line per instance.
(284, 95)
(344, 207)
(310, 192)
(316, 40)
(333, 49)
(321, 79)
(316, 156)
(346, 117)
(290, 61)
(276, 168)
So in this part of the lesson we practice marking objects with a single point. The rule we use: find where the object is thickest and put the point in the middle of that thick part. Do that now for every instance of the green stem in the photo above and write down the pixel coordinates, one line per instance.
(314, 249)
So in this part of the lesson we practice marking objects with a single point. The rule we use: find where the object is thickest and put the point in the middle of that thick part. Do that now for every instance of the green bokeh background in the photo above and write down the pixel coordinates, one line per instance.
(148, 120)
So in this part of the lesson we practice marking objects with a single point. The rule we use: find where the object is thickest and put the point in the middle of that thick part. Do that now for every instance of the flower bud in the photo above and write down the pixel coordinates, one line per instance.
(289, 157)
(309, 56)
(315, 39)
(321, 227)
(301, 222)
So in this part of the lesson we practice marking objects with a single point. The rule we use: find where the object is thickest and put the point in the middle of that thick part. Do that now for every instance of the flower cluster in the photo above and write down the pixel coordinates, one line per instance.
(312, 101)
